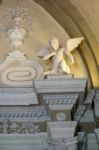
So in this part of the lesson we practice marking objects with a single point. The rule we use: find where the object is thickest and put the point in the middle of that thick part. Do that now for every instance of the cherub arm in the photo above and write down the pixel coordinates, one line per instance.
(43, 52)
(70, 56)
(49, 56)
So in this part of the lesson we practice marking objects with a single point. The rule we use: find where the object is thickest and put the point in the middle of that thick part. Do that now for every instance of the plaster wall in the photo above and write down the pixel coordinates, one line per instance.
(89, 9)
(43, 27)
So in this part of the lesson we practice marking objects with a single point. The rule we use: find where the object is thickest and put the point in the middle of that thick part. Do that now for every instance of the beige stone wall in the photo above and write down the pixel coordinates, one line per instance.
(43, 27)
(89, 9)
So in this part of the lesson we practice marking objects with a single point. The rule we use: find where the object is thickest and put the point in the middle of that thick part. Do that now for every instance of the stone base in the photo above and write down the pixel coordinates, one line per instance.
(59, 76)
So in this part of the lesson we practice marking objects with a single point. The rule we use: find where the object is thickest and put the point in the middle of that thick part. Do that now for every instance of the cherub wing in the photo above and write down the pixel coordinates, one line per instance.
(43, 52)
(74, 43)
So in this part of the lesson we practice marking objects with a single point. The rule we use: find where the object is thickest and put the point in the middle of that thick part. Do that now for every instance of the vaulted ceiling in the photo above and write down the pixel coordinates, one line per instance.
(67, 19)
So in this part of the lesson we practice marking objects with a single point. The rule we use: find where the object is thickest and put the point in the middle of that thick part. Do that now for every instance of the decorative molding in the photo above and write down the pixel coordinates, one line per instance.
(24, 114)
(60, 99)
(61, 116)
(18, 96)
(19, 128)
(17, 70)
(55, 86)
(37, 141)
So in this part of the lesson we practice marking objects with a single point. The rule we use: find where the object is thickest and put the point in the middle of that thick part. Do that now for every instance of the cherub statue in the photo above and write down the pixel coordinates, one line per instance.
(55, 51)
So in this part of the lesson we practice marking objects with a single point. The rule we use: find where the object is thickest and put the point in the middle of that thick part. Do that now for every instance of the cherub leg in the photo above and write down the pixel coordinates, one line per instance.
(53, 70)
(55, 67)
(47, 72)
(65, 68)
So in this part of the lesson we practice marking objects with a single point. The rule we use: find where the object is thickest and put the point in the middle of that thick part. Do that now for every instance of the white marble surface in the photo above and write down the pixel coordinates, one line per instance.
(17, 70)
(17, 96)
(88, 116)
(79, 112)
(61, 85)
(90, 97)
(92, 142)
(24, 114)
(36, 141)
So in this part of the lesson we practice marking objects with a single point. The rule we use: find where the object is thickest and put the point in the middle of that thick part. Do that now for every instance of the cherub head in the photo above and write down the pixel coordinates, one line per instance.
(54, 43)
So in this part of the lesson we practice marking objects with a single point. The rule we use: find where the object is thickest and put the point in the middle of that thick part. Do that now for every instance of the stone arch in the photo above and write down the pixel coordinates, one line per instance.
(75, 25)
